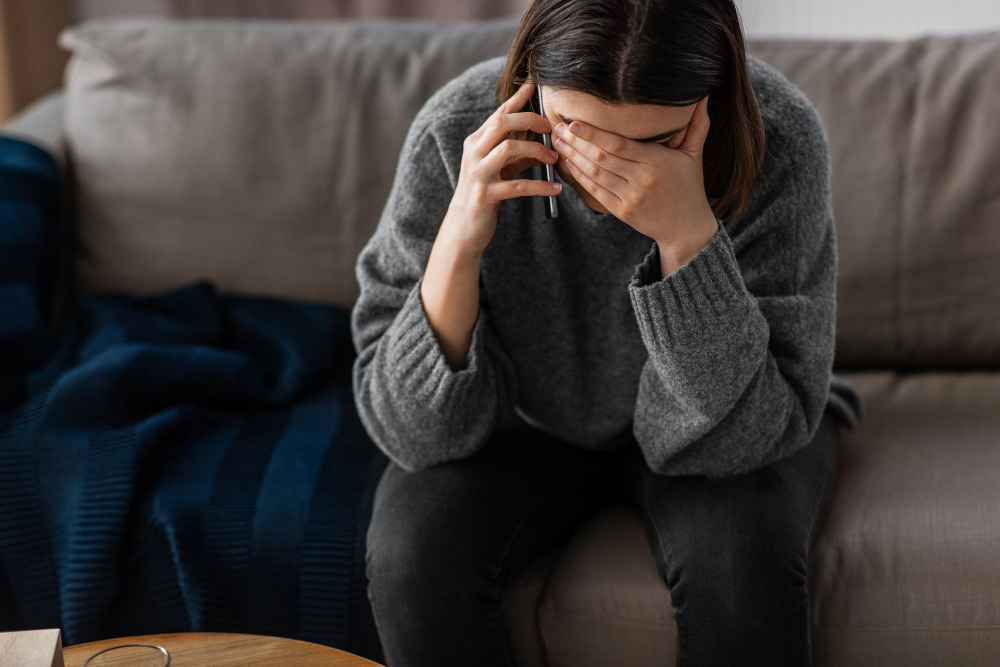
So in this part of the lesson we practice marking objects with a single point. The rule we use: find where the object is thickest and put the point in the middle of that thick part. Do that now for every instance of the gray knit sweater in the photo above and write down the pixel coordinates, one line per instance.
(721, 368)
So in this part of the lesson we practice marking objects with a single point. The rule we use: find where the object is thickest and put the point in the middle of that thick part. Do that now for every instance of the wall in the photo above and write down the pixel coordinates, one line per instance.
(867, 18)
(31, 64)
(822, 18)
(444, 10)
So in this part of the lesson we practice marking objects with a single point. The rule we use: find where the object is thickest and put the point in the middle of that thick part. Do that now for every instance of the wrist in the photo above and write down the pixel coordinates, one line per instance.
(462, 233)
(676, 252)
(457, 246)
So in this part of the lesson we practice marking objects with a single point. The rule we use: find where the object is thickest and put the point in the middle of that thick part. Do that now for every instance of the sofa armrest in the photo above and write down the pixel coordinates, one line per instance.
(43, 124)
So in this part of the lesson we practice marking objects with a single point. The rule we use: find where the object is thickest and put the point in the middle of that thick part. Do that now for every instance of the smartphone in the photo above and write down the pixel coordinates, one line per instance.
(551, 205)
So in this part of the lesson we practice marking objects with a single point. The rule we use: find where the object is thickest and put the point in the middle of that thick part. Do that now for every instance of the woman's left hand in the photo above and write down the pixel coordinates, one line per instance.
(660, 191)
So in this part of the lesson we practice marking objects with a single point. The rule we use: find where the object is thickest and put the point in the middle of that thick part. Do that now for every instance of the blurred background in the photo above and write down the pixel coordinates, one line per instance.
(31, 63)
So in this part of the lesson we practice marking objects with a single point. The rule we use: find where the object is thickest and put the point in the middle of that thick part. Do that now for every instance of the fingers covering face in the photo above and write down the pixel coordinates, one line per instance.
(596, 163)
(591, 140)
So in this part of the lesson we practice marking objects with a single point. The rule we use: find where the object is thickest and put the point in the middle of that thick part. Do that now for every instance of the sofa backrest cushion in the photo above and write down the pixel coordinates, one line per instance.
(259, 155)
(914, 130)
(255, 154)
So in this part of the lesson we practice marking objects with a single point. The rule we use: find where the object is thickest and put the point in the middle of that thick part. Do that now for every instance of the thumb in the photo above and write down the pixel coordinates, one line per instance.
(694, 140)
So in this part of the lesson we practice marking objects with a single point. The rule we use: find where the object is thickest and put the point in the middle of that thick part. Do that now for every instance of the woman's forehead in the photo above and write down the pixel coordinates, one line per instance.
(635, 121)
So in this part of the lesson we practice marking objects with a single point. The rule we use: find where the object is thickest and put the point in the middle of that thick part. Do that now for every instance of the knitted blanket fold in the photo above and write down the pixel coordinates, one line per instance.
(183, 461)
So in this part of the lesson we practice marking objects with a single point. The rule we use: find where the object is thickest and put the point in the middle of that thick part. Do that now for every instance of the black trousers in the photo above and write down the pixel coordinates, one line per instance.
(443, 543)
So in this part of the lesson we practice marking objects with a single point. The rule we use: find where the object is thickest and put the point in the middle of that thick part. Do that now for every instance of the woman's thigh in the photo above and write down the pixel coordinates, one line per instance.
(481, 519)
(785, 500)
(733, 551)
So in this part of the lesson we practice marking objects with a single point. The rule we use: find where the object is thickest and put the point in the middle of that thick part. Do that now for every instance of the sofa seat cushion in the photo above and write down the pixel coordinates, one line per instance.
(905, 569)
(605, 603)
(520, 609)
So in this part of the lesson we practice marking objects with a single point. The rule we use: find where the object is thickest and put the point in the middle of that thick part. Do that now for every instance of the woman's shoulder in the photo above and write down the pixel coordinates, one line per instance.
(792, 124)
(463, 102)
(792, 192)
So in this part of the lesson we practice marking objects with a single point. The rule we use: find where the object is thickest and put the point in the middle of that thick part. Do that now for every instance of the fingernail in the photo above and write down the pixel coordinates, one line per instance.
(558, 186)
(561, 129)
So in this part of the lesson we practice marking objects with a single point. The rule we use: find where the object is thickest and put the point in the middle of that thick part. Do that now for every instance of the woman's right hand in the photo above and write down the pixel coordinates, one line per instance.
(490, 162)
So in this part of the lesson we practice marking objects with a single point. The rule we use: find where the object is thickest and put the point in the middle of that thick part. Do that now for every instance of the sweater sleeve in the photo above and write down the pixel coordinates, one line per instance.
(419, 411)
(741, 337)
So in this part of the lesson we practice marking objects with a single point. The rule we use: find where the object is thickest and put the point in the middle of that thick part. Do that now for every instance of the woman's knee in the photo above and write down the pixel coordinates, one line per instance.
(738, 519)
(739, 595)
(736, 567)
(418, 538)
(748, 601)
(738, 572)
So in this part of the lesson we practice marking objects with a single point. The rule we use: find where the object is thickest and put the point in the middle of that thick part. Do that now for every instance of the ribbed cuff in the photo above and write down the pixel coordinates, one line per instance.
(417, 361)
(703, 300)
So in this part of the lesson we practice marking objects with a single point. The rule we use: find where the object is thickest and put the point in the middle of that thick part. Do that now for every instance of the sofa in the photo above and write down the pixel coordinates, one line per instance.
(258, 155)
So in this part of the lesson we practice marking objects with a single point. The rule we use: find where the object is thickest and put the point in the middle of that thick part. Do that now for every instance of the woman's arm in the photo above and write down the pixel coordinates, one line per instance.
(741, 337)
(450, 292)
(432, 379)
(424, 400)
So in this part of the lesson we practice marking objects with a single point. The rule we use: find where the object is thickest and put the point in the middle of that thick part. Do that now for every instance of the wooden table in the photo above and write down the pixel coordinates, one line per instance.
(215, 649)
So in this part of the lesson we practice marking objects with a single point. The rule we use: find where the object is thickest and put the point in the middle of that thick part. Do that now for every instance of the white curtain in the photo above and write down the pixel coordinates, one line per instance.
(891, 19)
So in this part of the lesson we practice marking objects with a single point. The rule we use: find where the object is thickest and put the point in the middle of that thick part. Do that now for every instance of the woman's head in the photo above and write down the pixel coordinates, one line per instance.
(637, 68)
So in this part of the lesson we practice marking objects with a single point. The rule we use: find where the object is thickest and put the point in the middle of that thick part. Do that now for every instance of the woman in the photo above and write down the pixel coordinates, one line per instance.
(667, 341)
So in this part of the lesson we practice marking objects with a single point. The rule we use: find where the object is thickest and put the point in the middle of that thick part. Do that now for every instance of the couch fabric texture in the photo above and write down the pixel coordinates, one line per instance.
(259, 156)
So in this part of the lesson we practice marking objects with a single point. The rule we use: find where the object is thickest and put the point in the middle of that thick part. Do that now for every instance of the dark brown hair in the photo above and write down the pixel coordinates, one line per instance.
(666, 52)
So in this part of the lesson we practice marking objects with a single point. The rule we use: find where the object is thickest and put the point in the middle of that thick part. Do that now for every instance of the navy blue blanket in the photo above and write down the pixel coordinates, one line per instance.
(186, 461)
